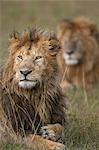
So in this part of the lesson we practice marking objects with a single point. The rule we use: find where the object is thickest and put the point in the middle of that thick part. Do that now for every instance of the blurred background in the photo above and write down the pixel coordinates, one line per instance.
(20, 14)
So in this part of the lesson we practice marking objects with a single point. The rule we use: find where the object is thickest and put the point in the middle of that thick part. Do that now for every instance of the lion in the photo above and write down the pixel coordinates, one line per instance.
(31, 96)
(79, 59)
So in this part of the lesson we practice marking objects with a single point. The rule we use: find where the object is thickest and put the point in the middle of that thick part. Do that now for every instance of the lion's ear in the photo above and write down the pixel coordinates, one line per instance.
(63, 27)
(14, 35)
(65, 23)
(94, 31)
(14, 40)
(54, 47)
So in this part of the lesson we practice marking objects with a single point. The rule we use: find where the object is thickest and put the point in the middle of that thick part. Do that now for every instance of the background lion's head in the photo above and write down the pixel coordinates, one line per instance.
(78, 39)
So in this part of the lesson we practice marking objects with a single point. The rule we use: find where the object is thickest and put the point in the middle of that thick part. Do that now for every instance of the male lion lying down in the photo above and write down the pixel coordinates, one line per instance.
(30, 93)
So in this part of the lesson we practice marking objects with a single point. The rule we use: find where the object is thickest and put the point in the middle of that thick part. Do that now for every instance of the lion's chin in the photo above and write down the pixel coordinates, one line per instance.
(27, 84)
(70, 59)
(71, 62)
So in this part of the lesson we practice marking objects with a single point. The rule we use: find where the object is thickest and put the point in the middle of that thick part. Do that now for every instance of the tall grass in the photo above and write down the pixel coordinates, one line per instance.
(82, 128)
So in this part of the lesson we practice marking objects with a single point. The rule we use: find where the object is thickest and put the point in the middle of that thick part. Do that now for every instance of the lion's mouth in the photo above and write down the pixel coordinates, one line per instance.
(27, 84)
(70, 59)
(26, 80)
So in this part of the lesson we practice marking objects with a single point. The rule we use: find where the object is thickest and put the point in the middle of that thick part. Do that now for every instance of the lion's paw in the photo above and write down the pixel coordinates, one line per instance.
(47, 133)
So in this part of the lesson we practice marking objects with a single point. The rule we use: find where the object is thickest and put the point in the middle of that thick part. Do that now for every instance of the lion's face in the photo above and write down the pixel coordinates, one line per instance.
(34, 62)
(72, 49)
(77, 40)
(29, 66)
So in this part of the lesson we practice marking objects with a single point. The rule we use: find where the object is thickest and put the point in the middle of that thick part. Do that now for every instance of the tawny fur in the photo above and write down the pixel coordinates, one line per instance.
(85, 74)
(30, 109)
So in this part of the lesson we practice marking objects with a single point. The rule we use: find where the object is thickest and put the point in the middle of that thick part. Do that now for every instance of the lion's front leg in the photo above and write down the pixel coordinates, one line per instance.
(52, 132)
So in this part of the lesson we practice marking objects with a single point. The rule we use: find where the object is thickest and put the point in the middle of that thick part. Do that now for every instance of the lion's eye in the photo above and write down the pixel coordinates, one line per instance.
(38, 57)
(38, 60)
(51, 48)
(19, 57)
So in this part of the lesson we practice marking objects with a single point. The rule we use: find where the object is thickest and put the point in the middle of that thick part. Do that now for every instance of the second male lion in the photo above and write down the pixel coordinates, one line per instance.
(79, 58)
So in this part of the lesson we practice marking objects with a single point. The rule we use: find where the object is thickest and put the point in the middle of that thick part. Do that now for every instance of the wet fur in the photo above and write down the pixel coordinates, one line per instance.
(28, 110)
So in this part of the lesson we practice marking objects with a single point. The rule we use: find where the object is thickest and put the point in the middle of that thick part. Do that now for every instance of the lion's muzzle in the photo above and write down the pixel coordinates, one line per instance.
(25, 81)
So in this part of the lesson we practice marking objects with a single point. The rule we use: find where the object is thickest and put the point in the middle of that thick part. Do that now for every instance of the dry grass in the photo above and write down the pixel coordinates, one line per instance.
(82, 129)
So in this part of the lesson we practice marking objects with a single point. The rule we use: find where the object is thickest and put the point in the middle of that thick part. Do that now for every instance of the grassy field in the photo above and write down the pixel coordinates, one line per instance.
(82, 130)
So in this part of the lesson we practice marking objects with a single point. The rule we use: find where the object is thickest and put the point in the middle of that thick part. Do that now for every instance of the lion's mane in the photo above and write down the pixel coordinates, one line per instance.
(28, 110)
(86, 73)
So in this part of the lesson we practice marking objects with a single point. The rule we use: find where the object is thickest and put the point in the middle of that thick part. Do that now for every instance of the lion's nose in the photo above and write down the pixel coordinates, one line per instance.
(25, 72)
(70, 52)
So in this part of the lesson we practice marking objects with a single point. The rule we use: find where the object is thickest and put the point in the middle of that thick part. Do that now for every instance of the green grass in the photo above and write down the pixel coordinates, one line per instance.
(82, 130)
(10, 146)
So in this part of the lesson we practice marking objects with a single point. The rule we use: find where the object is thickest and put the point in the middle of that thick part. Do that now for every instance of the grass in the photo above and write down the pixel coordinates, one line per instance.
(10, 146)
(82, 130)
